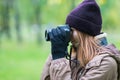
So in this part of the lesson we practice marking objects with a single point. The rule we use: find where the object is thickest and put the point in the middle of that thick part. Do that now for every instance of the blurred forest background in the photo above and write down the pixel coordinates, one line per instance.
(23, 49)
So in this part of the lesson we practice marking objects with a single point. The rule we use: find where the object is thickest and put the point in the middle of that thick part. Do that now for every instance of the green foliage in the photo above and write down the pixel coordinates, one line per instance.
(113, 37)
(56, 11)
(110, 13)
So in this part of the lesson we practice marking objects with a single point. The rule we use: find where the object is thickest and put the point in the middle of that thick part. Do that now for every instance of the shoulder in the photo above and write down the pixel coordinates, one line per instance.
(101, 67)
(102, 60)
(109, 63)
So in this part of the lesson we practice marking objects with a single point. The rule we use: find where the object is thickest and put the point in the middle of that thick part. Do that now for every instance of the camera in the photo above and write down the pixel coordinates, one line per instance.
(65, 30)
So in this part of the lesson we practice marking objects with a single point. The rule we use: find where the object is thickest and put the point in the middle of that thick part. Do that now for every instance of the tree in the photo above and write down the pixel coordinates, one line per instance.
(5, 10)
(37, 16)
(17, 21)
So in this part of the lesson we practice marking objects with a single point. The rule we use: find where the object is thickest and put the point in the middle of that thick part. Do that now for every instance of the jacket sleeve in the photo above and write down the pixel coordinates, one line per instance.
(58, 69)
(107, 70)
(45, 73)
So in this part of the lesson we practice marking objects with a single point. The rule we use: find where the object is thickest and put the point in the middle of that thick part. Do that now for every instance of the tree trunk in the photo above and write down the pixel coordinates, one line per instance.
(5, 20)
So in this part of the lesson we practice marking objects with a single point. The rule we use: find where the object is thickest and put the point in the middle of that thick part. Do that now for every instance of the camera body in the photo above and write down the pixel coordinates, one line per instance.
(65, 31)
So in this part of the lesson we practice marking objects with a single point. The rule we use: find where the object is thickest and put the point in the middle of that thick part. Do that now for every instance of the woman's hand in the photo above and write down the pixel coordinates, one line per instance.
(59, 38)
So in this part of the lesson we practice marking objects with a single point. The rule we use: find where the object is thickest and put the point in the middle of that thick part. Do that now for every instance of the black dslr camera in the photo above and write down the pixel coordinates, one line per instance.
(64, 31)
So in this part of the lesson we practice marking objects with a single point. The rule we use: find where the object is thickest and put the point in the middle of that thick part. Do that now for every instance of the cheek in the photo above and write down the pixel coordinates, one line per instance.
(75, 39)
(72, 37)
(75, 36)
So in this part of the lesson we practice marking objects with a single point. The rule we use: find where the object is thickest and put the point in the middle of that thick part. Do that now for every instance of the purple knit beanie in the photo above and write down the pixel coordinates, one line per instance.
(86, 18)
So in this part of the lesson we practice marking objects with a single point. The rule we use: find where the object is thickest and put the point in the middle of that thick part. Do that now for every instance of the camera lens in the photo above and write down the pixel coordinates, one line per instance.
(47, 37)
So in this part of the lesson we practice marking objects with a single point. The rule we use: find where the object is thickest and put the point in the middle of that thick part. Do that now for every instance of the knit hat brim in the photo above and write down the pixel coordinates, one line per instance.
(87, 26)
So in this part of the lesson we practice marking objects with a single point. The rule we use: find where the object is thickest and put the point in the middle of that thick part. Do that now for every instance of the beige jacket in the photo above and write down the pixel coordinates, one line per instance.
(101, 67)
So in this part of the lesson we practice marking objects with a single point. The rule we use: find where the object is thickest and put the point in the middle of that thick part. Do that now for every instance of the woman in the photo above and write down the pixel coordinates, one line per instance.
(89, 59)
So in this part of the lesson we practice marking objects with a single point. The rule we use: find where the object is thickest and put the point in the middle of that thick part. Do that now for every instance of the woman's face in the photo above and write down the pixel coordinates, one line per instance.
(75, 41)
(74, 37)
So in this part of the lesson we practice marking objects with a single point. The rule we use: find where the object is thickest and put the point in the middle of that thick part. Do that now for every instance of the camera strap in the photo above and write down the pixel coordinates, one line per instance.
(68, 57)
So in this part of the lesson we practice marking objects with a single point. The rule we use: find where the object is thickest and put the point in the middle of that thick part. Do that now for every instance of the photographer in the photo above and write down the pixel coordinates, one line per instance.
(89, 58)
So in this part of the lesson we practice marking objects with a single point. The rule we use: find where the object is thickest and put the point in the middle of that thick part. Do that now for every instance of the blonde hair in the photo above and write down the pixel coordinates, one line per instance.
(86, 47)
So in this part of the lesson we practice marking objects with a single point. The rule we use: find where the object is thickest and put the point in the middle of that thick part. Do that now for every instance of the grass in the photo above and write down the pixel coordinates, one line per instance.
(24, 61)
